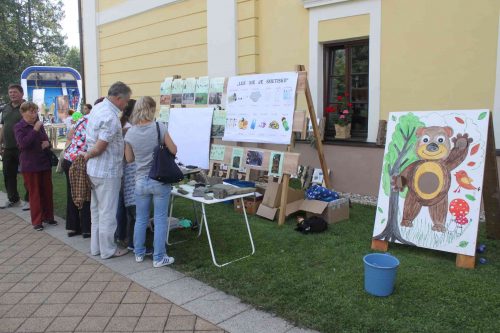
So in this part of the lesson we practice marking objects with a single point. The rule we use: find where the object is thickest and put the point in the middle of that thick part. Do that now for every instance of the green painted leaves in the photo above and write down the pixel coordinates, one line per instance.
(470, 197)
(463, 244)
(380, 210)
(482, 115)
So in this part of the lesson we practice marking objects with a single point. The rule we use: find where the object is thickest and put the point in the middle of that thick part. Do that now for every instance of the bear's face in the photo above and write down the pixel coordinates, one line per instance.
(434, 142)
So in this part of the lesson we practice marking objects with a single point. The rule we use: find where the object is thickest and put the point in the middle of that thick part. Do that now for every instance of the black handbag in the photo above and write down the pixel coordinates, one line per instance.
(54, 159)
(164, 168)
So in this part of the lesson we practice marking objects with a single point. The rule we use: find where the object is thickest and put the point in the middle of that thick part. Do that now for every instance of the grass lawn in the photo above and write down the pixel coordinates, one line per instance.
(316, 281)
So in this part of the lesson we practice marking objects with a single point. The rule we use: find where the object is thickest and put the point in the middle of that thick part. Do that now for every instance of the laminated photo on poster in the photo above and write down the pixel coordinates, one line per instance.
(255, 158)
(276, 164)
(236, 158)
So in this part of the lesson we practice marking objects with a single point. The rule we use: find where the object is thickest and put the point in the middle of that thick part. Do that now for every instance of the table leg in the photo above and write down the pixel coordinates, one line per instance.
(210, 239)
(172, 197)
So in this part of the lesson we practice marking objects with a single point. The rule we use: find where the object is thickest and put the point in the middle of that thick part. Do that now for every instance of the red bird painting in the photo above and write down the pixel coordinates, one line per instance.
(464, 181)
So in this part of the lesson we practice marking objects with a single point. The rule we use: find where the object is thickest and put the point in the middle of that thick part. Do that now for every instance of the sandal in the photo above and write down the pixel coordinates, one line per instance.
(119, 253)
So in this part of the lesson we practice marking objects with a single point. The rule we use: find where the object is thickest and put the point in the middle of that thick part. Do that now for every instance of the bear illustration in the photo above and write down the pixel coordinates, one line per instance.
(428, 179)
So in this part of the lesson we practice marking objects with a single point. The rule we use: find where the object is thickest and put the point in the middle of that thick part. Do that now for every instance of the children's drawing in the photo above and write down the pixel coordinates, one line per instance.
(276, 164)
(254, 157)
(429, 194)
(237, 158)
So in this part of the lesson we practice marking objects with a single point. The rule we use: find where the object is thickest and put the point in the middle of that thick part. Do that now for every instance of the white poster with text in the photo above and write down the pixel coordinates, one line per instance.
(260, 108)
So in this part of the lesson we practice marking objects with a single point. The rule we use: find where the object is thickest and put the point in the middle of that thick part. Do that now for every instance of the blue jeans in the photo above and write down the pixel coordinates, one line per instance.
(145, 190)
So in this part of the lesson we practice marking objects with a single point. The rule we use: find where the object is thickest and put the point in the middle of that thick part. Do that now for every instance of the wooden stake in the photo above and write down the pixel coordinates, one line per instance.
(316, 131)
(284, 199)
(380, 245)
(464, 261)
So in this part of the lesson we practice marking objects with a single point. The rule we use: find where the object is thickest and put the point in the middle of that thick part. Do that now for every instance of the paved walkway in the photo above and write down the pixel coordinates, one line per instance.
(49, 282)
(47, 286)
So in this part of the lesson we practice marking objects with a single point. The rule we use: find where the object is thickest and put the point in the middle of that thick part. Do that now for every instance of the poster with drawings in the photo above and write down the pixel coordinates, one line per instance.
(260, 108)
(432, 179)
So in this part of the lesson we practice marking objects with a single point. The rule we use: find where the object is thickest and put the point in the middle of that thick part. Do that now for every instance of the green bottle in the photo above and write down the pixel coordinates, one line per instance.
(285, 123)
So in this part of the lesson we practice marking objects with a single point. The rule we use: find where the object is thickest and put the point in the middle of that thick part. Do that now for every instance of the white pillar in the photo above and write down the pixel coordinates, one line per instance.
(90, 50)
(222, 26)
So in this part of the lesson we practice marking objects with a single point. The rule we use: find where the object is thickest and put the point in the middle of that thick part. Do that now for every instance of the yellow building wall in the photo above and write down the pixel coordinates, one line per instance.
(143, 49)
(103, 5)
(247, 36)
(438, 54)
(344, 28)
(283, 30)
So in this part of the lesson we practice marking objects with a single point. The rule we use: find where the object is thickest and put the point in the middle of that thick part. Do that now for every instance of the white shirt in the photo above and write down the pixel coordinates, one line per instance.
(104, 125)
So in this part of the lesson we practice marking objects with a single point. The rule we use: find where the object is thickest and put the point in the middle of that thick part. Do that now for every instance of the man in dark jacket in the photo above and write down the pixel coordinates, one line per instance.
(8, 145)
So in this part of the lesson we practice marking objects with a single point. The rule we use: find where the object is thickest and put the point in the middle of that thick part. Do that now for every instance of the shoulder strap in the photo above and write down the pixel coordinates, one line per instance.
(158, 131)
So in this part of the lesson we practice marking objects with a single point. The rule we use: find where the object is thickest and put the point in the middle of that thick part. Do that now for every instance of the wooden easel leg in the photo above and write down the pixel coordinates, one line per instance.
(491, 192)
(464, 261)
(284, 199)
(380, 245)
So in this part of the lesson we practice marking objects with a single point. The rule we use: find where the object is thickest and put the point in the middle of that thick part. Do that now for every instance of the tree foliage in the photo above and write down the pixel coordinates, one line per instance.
(403, 140)
(30, 35)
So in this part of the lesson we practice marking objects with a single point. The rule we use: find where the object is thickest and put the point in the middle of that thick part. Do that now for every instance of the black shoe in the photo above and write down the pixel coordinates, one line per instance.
(86, 235)
(38, 227)
(51, 222)
(73, 233)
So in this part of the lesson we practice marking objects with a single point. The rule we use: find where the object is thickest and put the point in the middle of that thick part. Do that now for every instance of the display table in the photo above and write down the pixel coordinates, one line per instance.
(204, 220)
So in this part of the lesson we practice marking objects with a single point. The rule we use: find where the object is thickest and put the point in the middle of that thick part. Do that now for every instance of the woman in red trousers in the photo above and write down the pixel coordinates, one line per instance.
(35, 164)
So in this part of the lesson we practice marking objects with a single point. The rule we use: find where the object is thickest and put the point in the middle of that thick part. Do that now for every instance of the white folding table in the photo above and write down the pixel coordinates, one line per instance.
(204, 220)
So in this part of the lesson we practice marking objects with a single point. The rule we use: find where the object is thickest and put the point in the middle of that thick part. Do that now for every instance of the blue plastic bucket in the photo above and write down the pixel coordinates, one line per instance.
(380, 273)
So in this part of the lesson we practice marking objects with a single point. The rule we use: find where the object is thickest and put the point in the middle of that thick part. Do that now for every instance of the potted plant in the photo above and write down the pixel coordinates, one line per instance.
(342, 116)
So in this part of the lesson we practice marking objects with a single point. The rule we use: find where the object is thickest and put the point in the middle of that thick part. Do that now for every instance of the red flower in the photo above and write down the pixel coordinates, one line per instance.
(349, 104)
(339, 98)
(330, 109)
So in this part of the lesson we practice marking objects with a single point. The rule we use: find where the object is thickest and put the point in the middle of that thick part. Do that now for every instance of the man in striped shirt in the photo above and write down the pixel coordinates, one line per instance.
(104, 166)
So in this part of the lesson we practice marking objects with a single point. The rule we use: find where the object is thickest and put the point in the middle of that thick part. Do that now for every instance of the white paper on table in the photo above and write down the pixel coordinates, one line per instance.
(190, 131)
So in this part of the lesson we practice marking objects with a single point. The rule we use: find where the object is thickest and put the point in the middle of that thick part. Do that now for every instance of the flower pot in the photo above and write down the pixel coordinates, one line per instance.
(342, 132)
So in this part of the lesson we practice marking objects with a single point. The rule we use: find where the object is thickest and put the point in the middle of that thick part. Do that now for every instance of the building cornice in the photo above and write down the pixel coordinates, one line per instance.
(318, 3)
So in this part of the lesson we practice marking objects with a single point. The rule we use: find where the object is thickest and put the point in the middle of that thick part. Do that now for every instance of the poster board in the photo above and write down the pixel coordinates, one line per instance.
(190, 131)
(260, 108)
(432, 179)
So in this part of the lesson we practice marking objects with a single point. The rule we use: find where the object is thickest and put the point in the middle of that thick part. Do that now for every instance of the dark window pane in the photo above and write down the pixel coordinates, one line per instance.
(359, 59)
(339, 62)
(336, 88)
(347, 67)
(359, 81)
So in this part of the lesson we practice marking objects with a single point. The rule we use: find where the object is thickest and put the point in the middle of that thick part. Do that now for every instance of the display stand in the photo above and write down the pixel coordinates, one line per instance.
(291, 161)
(491, 200)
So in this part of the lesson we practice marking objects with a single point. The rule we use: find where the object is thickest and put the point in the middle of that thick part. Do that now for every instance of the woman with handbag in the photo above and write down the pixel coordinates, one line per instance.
(35, 160)
(140, 143)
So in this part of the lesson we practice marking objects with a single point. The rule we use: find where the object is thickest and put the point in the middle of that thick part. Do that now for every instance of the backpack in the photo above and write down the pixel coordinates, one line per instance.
(311, 224)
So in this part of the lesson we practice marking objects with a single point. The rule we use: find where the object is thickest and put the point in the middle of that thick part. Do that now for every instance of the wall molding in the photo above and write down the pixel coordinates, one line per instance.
(339, 9)
(317, 3)
(130, 8)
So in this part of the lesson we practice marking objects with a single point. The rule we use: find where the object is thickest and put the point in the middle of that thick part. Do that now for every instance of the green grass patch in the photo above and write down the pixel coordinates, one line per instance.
(316, 281)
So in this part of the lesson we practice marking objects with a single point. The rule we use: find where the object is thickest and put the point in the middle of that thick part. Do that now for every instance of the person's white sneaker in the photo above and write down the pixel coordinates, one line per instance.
(10, 204)
(26, 206)
(164, 262)
(139, 258)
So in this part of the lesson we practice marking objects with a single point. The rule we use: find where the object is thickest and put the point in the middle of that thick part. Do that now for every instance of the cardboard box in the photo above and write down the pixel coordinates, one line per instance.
(251, 205)
(332, 212)
(272, 196)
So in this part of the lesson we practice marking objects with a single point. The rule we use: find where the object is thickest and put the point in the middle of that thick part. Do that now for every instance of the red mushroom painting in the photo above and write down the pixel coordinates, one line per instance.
(459, 208)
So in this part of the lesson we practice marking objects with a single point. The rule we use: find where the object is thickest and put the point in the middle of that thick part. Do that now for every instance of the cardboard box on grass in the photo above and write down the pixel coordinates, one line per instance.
(272, 200)
(251, 205)
(332, 212)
